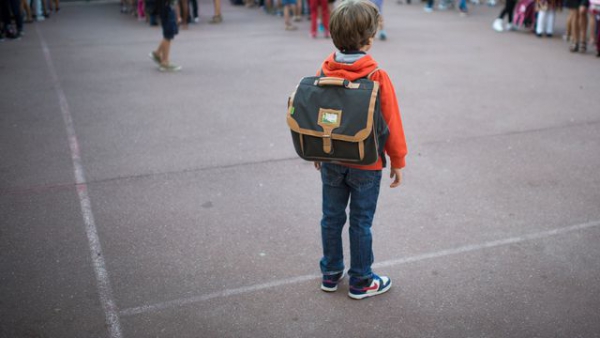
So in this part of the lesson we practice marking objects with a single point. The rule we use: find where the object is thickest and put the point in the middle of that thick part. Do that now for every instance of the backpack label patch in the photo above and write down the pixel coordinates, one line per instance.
(330, 118)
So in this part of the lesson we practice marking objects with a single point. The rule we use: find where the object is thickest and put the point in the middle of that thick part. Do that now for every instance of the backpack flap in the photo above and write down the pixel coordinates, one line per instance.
(331, 119)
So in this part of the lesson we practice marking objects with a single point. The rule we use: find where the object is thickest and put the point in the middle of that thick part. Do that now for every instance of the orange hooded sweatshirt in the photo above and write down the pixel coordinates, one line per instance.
(395, 146)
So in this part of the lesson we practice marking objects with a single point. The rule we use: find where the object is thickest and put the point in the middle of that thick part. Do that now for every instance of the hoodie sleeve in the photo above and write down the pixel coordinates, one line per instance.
(395, 146)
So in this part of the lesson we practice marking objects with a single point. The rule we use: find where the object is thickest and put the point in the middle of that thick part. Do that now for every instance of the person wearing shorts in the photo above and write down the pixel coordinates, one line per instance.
(288, 11)
(168, 20)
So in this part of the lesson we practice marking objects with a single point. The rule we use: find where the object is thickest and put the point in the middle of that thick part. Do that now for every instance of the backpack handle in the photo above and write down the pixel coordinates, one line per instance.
(335, 81)
(332, 81)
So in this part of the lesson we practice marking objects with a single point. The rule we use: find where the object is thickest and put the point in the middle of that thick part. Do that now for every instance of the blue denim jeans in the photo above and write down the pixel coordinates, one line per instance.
(361, 188)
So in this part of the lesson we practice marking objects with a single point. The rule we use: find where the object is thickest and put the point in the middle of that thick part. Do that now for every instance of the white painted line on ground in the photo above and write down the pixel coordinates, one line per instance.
(103, 283)
(438, 254)
(225, 293)
(486, 245)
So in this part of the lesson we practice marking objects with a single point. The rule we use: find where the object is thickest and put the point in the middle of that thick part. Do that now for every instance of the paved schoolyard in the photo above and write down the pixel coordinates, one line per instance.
(140, 204)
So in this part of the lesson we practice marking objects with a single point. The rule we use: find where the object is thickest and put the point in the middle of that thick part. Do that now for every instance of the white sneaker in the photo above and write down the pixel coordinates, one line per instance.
(510, 27)
(498, 25)
(169, 68)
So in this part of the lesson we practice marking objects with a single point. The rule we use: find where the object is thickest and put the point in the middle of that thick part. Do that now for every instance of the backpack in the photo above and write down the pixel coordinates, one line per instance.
(336, 120)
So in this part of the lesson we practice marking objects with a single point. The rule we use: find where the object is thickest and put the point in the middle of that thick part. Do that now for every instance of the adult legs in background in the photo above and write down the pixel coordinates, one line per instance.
(15, 8)
(185, 13)
(217, 18)
(583, 26)
(194, 4)
(27, 10)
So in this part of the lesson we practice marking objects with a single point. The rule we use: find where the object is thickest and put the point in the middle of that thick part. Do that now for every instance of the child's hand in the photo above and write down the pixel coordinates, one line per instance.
(317, 165)
(396, 174)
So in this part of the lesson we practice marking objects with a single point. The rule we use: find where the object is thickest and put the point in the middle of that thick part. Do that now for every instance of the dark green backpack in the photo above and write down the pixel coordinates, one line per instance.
(336, 120)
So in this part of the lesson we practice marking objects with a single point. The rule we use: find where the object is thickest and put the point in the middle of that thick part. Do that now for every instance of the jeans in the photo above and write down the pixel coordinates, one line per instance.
(360, 187)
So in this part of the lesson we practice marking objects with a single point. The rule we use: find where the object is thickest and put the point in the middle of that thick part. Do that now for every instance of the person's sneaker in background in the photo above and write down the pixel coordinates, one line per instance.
(382, 35)
(169, 68)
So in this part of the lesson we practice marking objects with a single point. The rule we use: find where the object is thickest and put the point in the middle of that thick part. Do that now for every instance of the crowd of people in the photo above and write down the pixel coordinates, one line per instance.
(15, 13)
(537, 15)
(582, 32)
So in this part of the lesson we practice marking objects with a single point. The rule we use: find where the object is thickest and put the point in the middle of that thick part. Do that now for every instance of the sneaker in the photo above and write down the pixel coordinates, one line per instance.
(369, 288)
(196, 20)
(154, 57)
(297, 18)
(216, 19)
(330, 282)
(510, 27)
(498, 25)
(428, 9)
(169, 68)
(290, 28)
(382, 36)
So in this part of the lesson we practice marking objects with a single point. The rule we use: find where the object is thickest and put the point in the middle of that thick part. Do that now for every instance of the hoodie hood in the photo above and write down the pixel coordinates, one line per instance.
(351, 71)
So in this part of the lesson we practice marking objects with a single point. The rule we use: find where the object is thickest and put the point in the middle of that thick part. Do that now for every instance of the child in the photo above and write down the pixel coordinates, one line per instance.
(314, 6)
(353, 28)
(168, 20)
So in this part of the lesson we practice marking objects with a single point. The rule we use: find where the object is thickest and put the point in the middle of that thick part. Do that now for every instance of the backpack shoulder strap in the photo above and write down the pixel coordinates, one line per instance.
(371, 73)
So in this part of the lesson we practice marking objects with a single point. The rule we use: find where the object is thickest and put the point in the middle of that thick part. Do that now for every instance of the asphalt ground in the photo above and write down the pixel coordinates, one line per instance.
(135, 203)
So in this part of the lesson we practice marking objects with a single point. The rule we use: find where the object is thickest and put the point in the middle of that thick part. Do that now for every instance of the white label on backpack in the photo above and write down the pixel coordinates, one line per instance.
(330, 118)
